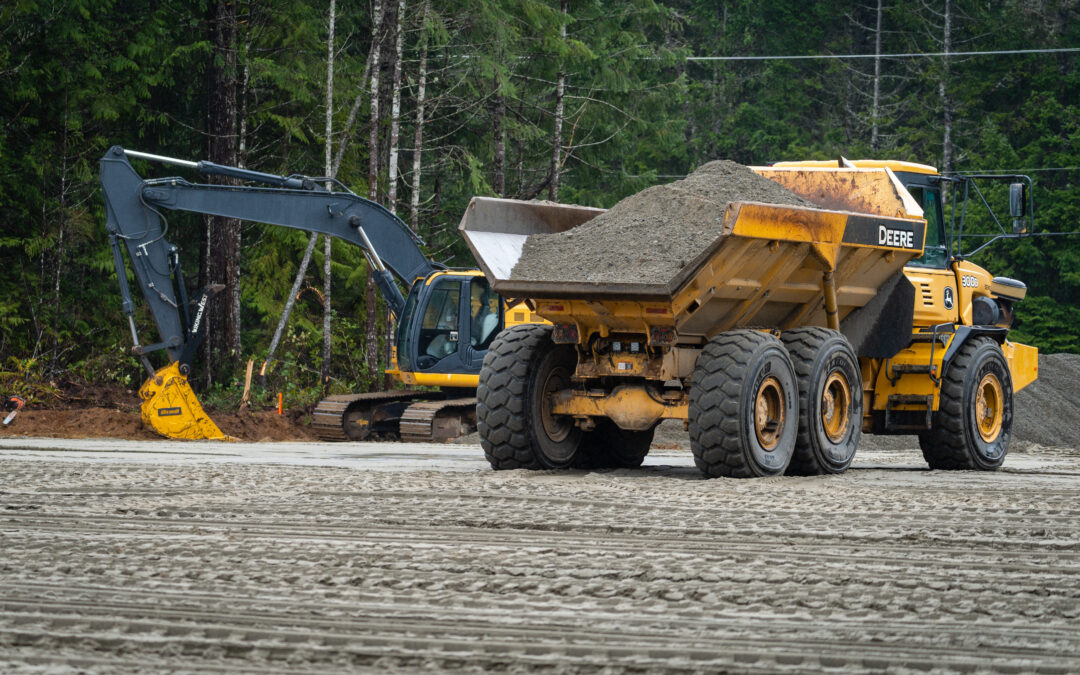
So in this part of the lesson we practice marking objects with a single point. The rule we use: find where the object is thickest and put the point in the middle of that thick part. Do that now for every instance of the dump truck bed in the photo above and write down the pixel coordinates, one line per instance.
(763, 266)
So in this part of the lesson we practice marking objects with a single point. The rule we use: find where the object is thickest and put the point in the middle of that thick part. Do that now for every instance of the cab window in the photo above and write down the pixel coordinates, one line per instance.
(484, 314)
(404, 336)
(439, 328)
(935, 253)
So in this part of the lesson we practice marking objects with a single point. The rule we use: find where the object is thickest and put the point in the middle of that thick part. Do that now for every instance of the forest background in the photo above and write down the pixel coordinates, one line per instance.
(421, 104)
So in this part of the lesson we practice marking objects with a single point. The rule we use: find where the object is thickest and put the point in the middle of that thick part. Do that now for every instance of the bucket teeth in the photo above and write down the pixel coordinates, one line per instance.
(170, 408)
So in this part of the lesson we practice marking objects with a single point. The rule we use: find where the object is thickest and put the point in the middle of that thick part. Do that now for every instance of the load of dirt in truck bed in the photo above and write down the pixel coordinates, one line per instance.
(649, 236)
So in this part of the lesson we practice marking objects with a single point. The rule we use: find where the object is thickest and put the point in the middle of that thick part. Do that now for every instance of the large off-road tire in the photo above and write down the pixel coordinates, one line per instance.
(517, 429)
(610, 447)
(973, 423)
(830, 400)
(743, 406)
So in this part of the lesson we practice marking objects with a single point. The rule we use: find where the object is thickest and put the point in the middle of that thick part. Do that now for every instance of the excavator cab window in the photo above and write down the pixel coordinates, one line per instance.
(935, 252)
(405, 336)
(439, 328)
(485, 317)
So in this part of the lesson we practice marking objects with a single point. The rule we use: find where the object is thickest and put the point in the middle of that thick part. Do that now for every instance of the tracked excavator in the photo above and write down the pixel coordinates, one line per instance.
(445, 323)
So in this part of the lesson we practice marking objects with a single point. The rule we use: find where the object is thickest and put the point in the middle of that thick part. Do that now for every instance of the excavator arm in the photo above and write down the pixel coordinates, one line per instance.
(136, 223)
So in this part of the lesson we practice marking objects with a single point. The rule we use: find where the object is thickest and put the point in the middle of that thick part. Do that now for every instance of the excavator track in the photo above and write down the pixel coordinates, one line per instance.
(348, 417)
(438, 421)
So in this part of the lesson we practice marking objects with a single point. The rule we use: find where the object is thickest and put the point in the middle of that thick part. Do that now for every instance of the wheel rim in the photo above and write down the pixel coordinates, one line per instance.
(989, 407)
(769, 414)
(836, 407)
(557, 427)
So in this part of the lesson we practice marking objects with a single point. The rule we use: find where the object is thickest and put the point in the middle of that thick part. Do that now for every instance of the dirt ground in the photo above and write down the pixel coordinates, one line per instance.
(181, 561)
(649, 236)
(164, 556)
(1047, 413)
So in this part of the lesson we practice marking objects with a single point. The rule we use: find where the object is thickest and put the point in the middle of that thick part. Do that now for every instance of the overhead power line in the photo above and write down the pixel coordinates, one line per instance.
(908, 55)
(1032, 170)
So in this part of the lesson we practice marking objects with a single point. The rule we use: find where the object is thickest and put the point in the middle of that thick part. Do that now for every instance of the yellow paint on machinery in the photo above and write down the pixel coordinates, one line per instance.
(170, 408)
(634, 407)
(771, 267)
(1023, 363)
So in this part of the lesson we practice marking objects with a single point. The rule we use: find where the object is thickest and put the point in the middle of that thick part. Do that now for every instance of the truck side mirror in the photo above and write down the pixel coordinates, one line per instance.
(1017, 210)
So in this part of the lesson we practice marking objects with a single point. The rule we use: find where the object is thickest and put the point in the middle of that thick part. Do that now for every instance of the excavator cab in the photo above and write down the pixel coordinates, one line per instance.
(448, 322)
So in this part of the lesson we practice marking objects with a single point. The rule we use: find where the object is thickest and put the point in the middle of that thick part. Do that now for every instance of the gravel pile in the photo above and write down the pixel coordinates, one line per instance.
(648, 237)
(1047, 411)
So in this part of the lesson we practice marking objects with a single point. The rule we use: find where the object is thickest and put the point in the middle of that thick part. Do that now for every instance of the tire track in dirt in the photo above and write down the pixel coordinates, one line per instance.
(205, 567)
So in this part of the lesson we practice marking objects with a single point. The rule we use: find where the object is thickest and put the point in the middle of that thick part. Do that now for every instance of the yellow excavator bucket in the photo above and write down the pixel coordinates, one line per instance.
(170, 408)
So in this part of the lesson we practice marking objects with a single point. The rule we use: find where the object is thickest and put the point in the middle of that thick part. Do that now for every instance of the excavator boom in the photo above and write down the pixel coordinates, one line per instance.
(136, 224)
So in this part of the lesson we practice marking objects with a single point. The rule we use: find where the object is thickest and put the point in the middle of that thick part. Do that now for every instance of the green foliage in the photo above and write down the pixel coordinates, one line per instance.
(80, 76)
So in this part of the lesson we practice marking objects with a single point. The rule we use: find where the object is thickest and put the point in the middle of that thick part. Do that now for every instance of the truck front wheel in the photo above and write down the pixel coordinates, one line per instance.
(517, 429)
(744, 407)
(974, 420)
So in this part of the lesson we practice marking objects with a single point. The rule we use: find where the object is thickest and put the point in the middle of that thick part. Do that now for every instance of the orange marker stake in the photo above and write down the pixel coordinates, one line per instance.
(279, 401)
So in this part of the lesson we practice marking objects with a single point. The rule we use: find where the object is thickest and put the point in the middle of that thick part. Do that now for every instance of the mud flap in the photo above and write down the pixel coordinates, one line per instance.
(170, 408)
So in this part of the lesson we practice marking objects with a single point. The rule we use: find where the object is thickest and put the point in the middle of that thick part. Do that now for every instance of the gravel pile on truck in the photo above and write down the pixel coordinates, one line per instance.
(657, 231)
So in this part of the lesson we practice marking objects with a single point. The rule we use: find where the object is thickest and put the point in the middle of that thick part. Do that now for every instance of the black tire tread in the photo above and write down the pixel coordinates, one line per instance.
(714, 403)
(945, 446)
(609, 447)
(500, 407)
(803, 345)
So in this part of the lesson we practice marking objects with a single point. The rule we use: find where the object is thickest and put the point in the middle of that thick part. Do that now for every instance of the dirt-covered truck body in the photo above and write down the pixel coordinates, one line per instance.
(783, 333)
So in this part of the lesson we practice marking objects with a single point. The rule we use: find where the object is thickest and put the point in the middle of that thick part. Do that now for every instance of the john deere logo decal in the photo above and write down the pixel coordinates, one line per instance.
(948, 297)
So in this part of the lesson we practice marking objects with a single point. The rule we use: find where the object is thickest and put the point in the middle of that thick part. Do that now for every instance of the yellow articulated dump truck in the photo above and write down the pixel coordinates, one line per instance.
(781, 331)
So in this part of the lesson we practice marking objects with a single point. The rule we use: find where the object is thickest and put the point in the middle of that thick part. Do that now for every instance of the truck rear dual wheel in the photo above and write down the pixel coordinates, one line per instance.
(514, 418)
(973, 423)
(743, 406)
(830, 400)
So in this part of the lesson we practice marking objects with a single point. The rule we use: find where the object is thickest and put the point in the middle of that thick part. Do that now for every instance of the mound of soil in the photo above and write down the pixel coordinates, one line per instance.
(86, 422)
(1047, 412)
(649, 236)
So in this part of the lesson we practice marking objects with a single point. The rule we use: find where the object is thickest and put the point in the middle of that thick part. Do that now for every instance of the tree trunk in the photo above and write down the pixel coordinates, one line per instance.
(353, 111)
(556, 145)
(395, 109)
(946, 97)
(418, 140)
(498, 118)
(875, 110)
(223, 241)
(289, 301)
(329, 168)
(392, 171)
(371, 329)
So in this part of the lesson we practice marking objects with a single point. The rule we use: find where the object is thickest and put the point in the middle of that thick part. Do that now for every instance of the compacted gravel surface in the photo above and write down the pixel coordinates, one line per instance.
(216, 557)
